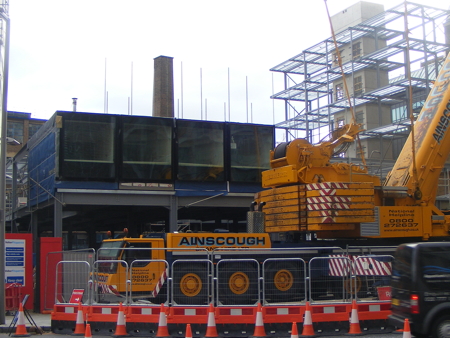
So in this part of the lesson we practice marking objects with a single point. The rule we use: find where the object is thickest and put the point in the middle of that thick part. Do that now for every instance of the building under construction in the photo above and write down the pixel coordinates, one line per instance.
(388, 74)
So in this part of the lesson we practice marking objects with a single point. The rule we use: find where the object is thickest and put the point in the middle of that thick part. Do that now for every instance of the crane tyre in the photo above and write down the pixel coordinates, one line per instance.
(284, 282)
(190, 286)
(238, 284)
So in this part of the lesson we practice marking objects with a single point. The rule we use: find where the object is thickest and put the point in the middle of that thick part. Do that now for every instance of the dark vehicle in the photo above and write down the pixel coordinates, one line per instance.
(421, 288)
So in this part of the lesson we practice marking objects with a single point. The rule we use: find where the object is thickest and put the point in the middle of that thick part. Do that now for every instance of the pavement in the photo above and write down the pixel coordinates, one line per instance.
(41, 320)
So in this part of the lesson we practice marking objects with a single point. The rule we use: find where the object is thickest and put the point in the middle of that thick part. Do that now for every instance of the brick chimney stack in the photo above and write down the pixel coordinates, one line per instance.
(163, 105)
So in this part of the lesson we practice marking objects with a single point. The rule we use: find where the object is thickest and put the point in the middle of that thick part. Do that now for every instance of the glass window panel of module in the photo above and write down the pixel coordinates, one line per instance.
(147, 149)
(88, 146)
(200, 151)
(250, 147)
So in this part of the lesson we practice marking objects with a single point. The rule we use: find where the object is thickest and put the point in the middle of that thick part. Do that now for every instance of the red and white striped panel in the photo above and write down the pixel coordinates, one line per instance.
(329, 199)
(160, 283)
(367, 266)
(326, 185)
(109, 289)
(363, 266)
(340, 266)
(326, 206)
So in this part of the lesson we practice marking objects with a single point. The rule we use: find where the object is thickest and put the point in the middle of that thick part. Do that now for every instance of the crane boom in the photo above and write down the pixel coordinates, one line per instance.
(432, 142)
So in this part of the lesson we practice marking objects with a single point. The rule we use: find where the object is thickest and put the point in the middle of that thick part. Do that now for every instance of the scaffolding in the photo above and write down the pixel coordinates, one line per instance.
(310, 95)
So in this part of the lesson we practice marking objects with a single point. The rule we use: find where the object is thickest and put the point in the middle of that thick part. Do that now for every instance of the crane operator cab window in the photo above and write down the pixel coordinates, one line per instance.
(137, 251)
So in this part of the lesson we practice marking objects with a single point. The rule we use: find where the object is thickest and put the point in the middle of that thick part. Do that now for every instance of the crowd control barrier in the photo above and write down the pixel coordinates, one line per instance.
(232, 281)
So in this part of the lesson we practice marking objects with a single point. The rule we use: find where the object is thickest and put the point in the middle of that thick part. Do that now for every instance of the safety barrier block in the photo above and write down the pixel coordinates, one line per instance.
(63, 318)
(142, 320)
(102, 313)
(330, 313)
(103, 319)
(236, 315)
(284, 314)
(230, 321)
(374, 311)
(187, 315)
(138, 314)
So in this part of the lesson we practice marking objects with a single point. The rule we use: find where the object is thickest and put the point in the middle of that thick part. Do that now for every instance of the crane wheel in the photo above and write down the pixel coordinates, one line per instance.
(191, 284)
(239, 282)
(283, 280)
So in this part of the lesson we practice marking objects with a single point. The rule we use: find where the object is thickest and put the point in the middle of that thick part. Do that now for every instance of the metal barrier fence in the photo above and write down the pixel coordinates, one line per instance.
(238, 282)
(227, 277)
(329, 279)
(284, 280)
(192, 282)
(74, 276)
(372, 276)
(70, 276)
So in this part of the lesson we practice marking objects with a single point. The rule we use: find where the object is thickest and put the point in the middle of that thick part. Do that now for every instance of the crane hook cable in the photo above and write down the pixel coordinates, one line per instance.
(344, 80)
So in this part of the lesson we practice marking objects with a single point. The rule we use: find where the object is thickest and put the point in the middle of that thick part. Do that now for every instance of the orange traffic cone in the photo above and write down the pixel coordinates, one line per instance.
(21, 330)
(294, 331)
(80, 330)
(354, 321)
(188, 331)
(406, 329)
(121, 330)
(88, 333)
(308, 330)
(211, 330)
(259, 324)
(162, 325)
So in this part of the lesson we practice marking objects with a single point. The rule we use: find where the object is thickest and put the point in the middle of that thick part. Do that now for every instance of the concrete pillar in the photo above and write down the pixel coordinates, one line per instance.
(163, 105)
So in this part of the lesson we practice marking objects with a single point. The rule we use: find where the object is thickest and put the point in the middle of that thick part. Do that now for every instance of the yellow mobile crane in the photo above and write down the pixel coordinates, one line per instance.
(310, 194)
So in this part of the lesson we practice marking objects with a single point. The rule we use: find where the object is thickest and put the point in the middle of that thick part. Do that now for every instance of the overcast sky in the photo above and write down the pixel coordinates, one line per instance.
(59, 49)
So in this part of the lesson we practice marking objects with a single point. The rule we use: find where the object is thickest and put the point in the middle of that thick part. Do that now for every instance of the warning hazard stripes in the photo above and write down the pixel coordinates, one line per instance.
(160, 283)
(325, 206)
(340, 266)
(339, 219)
(340, 192)
(339, 206)
(359, 265)
(339, 185)
(333, 212)
(368, 266)
(341, 199)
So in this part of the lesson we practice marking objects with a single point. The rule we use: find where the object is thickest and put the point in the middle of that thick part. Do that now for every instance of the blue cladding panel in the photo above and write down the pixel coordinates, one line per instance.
(41, 164)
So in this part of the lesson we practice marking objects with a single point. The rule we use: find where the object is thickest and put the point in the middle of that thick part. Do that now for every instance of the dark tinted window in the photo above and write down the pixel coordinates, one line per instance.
(401, 268)
(434, 269)
(88, 146)
(200, 151)
(137, 251)
(250, 147)
(146, 149)
(110, 250)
